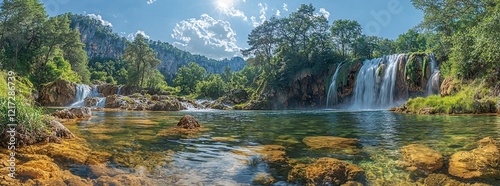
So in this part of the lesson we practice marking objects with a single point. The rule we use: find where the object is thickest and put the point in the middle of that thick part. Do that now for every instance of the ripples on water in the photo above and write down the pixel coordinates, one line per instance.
(208, 158)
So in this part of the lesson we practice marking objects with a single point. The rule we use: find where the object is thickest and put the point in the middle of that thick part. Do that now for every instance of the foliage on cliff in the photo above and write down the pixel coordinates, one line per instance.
(466, 39)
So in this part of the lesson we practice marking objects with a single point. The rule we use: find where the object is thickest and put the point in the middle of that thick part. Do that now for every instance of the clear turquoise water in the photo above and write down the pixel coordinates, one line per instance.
(208, 159)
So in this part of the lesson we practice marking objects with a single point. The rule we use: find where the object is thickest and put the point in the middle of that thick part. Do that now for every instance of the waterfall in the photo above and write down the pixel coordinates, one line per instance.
(95, 94)
(332, 89)
(119, 91)
(82, 91)
(375, 86)
(433, 80)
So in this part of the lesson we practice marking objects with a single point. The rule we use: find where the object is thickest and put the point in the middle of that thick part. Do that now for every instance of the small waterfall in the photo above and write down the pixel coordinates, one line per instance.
(433, 80)
(82, 92)
(332, 89)
(95, 94)
(119, 91)
(376, 83)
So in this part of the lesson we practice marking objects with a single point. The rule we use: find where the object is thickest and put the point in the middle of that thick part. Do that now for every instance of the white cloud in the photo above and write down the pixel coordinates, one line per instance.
(99, 18)
(263, 10)
(207, 36)
(231, 11)
(278, 13)
(151, 2)
(132, 36)
(323, 12)
(255, 23)
(262, 17)
(285, 7)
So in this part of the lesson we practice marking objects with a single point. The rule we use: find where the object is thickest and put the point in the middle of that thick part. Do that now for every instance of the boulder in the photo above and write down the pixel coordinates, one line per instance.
(59, 130)
(420, 158)
(58, 93)
(113, 101)
(73, 113)
(448, 87)
(107, 89)
(327, 171)
(188, 122)
(482, 162)
(91, 102)
(168, 105)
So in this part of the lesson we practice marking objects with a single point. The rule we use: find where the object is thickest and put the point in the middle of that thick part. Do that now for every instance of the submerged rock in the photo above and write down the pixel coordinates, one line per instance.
(420, 158)
(263, 179)
(482, 162)
(273, 154)
(188, 122)
(349, 145)
(441, 179)
(327, 171)
(73, 113)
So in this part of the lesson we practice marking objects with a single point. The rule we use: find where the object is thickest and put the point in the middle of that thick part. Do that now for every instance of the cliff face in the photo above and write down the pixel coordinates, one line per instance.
(101, 42)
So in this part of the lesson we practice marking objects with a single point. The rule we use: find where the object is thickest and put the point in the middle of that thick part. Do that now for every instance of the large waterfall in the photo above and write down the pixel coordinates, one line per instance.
(376, 82)
(332, 90)
(85, 91)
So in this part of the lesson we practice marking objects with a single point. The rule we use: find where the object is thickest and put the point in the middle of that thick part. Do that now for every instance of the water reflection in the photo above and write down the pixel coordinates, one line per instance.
(208, 157)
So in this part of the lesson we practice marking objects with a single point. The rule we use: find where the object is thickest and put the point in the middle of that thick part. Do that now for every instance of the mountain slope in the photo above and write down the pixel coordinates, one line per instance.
(101, 42)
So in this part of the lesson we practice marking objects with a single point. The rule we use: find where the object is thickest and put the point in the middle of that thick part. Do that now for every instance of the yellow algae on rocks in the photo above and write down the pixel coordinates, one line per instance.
(142, 121)
(330, 142)
(327, 171)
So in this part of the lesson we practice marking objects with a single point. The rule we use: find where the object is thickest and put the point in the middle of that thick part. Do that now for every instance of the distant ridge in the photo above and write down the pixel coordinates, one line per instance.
(101, 42)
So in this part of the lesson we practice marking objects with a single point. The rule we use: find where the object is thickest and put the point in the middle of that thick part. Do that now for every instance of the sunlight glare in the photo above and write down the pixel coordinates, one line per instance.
(224, 4)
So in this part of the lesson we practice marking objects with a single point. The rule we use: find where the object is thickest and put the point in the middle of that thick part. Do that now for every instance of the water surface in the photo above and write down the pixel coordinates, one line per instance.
(208, 157)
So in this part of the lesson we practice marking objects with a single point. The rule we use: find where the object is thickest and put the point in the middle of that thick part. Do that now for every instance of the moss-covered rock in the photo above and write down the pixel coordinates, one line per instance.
(482, 162)
(420, 158)
(326, 171)
(57, 93)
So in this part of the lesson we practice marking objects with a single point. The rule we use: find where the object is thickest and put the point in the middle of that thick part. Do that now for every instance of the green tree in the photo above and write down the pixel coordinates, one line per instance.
(188, 77)
(20, 23)
(344, 33)
(143, 61)
(156, 82)
(212, 87)
(412, 41)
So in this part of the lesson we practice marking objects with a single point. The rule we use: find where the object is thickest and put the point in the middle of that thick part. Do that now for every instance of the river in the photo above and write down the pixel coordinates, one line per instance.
(209, 157)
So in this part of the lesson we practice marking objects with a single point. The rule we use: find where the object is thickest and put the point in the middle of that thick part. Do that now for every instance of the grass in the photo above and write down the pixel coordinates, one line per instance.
(471, 99)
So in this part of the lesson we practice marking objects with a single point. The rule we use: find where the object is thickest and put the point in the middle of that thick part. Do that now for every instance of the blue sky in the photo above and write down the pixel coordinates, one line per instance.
(219, 28)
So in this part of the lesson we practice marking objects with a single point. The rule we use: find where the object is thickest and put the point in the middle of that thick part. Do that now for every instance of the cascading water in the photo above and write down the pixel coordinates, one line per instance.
(332, 89)
(101, 100)
(82, 92)
(434, 80)
(376, 83)
(119, 91)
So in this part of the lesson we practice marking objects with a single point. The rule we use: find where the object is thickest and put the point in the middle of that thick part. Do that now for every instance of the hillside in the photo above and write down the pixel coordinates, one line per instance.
(101, 42)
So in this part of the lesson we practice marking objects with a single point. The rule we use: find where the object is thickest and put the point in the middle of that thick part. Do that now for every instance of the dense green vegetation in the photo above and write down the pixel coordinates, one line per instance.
(464, 35)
